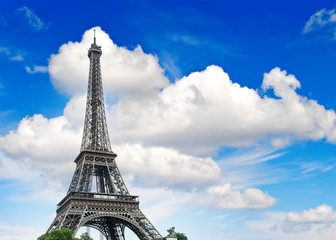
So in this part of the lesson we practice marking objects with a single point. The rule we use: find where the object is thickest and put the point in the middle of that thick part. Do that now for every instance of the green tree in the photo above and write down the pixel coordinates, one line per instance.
(60, 234)
(43, 237)
(181, 236)
(85, 236)
(63, 234)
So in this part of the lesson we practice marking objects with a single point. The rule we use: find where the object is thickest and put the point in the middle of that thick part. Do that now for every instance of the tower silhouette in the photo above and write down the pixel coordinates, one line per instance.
(97, 195)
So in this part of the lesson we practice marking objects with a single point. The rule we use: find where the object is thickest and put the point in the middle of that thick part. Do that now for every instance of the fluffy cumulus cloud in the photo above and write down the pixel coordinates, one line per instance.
(320, 19)
(198, 113)
(40, 138)
(206, 110)
(52, 144)
(321, 214)
(124, 71)
(157, 166)
(318, 223)
(45, 144)
(224, 197)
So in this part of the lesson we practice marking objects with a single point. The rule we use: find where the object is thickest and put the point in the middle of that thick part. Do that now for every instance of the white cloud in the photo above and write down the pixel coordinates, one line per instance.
(148, 167)
(205, 110)
(36, 69)
(275, 225)
(158, 166)
(15, 232)
(197, 114)
(250, 167)
(224, 197)
(314, 167)
(123, 70)
(319, 20)
(34, 21)
(17, 57)
(52, 144)
(74, 112)
(321, 214)
(44, 143)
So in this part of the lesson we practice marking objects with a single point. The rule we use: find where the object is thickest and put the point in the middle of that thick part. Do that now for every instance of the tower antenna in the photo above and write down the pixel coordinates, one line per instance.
(94, 38)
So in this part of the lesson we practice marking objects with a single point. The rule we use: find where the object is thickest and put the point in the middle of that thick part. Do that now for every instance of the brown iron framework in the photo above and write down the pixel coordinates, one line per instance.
(97, 195)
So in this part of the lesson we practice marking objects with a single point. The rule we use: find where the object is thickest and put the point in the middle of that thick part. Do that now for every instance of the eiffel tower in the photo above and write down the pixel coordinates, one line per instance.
(97, 196)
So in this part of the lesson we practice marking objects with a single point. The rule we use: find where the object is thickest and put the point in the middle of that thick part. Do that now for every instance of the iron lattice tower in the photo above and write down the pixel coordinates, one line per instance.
(97, 195)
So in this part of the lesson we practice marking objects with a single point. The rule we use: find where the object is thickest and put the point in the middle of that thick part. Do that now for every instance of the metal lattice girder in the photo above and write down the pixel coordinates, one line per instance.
(97, 195)
(108, 215)
(97, 171)
(95, 135)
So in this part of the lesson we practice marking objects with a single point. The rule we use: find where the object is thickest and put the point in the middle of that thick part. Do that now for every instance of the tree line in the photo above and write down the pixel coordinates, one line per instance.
(66, 234)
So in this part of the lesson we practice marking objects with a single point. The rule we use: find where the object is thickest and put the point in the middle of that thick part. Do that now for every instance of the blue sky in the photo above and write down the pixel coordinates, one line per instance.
(221, 112)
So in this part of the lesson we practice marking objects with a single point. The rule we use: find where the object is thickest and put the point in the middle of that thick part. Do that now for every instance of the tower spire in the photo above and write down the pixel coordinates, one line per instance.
(94, 38)
(95, 135)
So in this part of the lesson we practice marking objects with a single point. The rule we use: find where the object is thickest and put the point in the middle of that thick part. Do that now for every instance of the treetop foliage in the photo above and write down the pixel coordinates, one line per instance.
(63, 234)
(180, 236)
